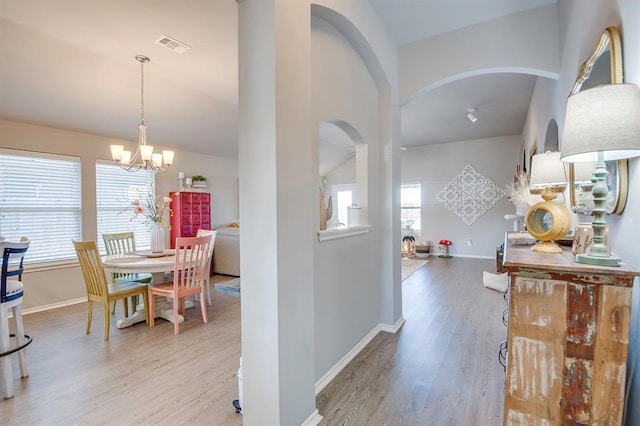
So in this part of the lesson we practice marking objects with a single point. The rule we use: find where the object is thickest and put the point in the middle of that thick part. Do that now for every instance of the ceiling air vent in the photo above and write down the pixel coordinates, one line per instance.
(172, 44)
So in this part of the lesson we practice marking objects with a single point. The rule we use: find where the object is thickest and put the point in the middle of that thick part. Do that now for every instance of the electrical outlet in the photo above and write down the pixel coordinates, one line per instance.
(469, 243)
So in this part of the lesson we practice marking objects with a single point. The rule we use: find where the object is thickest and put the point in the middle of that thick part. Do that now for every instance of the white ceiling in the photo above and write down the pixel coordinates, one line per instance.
(70, 64)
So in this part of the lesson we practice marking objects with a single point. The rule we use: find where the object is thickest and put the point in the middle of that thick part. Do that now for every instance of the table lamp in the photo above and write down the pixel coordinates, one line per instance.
(601, 124)
(548, 221)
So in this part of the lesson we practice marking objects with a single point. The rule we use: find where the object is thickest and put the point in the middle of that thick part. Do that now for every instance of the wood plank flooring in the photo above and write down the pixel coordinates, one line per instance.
(440, 368)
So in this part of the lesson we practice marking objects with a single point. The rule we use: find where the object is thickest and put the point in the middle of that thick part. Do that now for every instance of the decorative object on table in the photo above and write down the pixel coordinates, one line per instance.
(188, 182)
(198, 181)
(548, 221)
(408, 245)
(518, 193)
(181, 181)
(98, 290)
(470, 194)
(11, 296)
(152, 208)
(444, 248)
(582, 238)
(602, 123)
(144, 157)
(423, 249)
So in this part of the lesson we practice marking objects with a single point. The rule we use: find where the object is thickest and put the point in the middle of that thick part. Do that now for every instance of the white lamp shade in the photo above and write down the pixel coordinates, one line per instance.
(146, 151)
(126, 157)
(547, 169)
(603, 119)
(116, 152)
(156, 158)
(168, 157)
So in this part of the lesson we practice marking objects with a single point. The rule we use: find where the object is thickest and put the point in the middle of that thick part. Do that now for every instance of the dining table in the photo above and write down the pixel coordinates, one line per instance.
(144, 262)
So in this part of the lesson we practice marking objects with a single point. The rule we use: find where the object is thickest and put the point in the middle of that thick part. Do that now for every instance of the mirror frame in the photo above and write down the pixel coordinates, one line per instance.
(610, 38)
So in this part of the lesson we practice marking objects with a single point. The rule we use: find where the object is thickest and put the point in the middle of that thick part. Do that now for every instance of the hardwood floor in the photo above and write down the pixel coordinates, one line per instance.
(141, 375)
(440, 368)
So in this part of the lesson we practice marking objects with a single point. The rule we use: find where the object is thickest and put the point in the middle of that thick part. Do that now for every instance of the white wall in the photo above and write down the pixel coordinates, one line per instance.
(581, 22)
(435, 165)
(46, 287)
(346, 283)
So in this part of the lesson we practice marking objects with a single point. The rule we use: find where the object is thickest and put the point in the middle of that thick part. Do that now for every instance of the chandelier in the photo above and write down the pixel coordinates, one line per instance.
(144, 157)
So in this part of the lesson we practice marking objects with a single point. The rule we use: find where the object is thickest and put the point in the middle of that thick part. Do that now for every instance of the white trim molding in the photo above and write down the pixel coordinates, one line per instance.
(332, 234)
(392, 328)
(314, 419)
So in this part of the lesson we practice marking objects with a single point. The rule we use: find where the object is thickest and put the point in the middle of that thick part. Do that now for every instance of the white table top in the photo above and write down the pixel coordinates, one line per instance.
(131, 263)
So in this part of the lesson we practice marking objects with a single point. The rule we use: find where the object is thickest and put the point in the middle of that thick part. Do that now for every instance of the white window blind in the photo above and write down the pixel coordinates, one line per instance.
(40, 200)
(115, 190)
(411, 208)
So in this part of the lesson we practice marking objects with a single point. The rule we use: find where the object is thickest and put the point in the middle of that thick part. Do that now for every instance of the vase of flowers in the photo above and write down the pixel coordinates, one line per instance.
(153, 208)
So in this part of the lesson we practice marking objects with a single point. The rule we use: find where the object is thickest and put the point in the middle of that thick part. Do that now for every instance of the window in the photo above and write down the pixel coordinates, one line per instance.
(411, 208)
(115, 190)
(342, 198)
(40, 200)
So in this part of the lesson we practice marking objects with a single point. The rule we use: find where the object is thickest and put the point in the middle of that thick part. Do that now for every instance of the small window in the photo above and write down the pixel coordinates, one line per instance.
(411, 208)
(115, 190)
(40, 200)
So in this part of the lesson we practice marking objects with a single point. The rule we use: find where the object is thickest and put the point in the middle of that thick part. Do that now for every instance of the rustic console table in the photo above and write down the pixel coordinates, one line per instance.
(568, 332)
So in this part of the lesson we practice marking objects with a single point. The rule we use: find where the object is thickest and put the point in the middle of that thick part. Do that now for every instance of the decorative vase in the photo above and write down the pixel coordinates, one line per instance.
(157, 238)
(582, 238)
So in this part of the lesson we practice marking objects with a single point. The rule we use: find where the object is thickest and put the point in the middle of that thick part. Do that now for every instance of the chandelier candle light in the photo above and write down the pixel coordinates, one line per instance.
(144, 157)
(601, 124)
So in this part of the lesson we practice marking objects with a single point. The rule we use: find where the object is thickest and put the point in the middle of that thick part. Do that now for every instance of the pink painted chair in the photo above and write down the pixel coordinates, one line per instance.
(189, 277)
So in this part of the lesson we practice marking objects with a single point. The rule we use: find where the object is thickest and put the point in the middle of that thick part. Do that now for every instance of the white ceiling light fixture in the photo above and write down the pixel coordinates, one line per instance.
(471, 115)
(144, 158)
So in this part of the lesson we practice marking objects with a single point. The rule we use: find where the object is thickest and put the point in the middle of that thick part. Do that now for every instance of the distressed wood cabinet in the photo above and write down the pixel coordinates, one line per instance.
(568, 333)
(190, 211)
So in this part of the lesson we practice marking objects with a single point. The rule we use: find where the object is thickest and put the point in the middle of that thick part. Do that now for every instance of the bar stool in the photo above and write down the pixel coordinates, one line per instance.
(11, 292)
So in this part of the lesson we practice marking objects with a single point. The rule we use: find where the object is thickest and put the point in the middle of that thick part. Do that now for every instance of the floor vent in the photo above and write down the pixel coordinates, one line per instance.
(172, 44)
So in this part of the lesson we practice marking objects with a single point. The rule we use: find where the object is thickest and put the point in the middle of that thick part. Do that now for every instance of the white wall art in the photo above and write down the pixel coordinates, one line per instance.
(470, 194)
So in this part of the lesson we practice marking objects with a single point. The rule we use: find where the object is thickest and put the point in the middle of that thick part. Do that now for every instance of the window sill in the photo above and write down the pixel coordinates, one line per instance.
(332, 234)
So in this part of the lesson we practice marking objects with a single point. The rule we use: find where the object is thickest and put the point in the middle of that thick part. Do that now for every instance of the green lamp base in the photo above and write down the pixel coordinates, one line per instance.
(598, 260)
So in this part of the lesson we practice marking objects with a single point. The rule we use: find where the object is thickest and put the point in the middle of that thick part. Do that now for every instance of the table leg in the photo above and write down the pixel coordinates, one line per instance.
(163, 308)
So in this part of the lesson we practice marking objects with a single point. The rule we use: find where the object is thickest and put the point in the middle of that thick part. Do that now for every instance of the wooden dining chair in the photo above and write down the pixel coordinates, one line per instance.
(201, 233)
(188, 279)
(121, 243)
(11, 295)
(99, 290)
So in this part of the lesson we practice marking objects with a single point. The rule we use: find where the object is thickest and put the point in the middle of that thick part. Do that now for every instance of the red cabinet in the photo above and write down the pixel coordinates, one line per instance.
(191, 211)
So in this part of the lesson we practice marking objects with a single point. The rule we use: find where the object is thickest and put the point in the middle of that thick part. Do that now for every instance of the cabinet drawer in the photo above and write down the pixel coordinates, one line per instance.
(195, 208)
(185, 197)
(186, 231)
(195, 220)
(205, 209)
(205, 198)
(196, 198)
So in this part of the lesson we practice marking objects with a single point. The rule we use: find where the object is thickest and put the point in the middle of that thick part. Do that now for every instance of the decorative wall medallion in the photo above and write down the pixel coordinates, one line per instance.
(470, 194)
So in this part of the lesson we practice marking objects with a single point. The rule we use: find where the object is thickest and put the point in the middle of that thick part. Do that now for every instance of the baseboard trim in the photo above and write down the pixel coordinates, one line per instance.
(392, 328)
(54, 306)
(473, 256)
(337, 368)
(314, 419)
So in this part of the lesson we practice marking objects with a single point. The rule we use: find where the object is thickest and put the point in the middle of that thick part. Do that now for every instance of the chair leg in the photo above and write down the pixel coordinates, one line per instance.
(7, 372)
(203, 307)
(22, 354)
(208, 291)
(151, 308)
(89, 315)
(176, 322)
(107, 321)
(147, 308)
(125, 306)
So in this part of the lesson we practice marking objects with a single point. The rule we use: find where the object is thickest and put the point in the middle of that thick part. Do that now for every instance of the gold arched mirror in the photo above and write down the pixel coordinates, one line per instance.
(604, 66)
